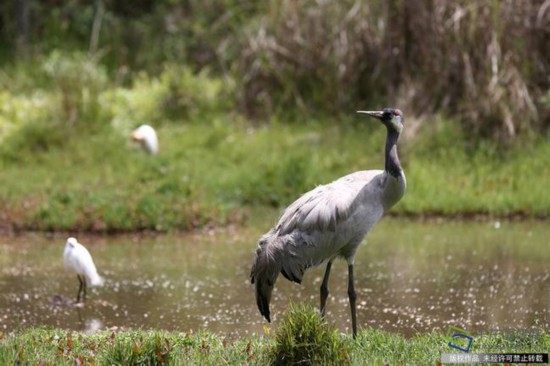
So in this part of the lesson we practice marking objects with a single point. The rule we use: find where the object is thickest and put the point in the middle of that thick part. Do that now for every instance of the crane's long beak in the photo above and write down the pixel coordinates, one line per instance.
(375, 114)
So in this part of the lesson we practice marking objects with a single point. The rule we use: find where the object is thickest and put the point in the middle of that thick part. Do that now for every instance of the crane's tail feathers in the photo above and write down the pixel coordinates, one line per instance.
(264, 273)
(274, 255)
(264, 288)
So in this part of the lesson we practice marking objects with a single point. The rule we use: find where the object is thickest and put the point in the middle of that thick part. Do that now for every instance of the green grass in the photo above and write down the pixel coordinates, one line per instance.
(59, 347)
(304, 338)
(66, 162)
(312, 342)
(449, 175)
(215, 172)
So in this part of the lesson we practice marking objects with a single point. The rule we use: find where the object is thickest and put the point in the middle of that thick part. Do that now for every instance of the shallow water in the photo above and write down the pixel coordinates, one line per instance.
(411, 277)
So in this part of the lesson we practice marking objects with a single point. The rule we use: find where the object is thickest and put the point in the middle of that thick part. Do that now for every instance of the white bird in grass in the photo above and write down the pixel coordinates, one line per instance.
(147, 137)
(330, 221)
(78, 259)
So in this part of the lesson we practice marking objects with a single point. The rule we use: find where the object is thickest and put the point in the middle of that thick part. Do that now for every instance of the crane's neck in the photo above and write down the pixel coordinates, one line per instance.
(392, 160)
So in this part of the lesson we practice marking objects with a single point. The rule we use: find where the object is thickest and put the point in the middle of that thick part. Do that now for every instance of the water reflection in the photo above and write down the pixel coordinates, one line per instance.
(410, 277)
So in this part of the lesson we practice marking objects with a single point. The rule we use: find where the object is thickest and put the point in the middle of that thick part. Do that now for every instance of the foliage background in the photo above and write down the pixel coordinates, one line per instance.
(254, 105)
(484, 62)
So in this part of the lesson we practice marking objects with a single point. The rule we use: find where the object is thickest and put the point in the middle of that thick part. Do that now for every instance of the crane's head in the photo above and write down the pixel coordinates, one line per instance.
(391, 117)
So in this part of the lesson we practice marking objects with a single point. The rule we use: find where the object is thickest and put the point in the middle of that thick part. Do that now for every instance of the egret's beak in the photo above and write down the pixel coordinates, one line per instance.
(135, 137)
(375, 114)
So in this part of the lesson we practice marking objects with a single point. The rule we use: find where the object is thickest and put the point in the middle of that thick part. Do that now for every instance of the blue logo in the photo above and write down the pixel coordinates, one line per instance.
(459, 339)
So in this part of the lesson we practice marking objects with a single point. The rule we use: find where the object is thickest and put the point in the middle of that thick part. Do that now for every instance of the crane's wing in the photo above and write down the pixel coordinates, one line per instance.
(326, 205)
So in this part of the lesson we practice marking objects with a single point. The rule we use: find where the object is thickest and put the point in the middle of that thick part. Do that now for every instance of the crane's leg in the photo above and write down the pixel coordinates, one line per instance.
(324, 288)
(80, 288)
(352, 297)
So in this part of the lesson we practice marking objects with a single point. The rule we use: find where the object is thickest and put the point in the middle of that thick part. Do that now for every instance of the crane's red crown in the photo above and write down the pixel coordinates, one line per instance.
(397, 112)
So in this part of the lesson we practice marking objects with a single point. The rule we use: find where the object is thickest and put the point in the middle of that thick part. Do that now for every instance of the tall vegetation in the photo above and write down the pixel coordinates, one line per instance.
(83, 76)
(484, 63)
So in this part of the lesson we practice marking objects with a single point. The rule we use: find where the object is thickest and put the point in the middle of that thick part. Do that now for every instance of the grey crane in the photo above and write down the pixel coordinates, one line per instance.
(330, 221)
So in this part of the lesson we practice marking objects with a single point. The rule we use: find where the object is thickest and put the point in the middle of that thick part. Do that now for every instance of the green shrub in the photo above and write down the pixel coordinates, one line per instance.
(19, 110)
(191, 95)
(79, 80)
(32, 123)
(176, 94)
(30, 140)
(305, 338)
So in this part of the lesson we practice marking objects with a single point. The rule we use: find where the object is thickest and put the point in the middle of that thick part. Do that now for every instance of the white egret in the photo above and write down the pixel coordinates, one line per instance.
(147, 137)
(78, 259)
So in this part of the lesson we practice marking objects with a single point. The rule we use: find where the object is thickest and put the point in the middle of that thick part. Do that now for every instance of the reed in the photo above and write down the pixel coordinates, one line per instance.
(484, 63)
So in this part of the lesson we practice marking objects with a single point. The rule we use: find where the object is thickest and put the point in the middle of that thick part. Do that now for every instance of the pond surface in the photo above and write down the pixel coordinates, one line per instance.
(411, 276)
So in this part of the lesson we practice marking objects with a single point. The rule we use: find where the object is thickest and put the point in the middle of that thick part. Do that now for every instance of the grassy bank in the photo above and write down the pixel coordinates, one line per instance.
(216, 172)
(57, 347)
(372, 347)
(66, 162)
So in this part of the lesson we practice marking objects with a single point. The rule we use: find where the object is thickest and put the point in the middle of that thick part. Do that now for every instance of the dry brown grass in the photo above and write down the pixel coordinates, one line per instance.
(486, 62)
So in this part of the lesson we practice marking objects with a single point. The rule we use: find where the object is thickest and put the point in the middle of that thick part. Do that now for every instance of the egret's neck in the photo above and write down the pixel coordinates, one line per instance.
(392, 160)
